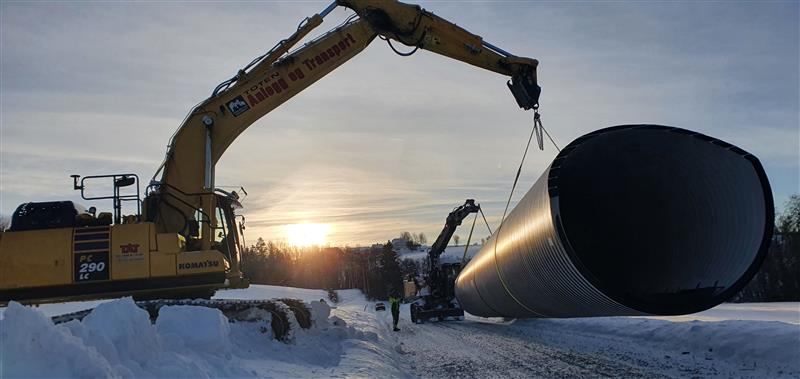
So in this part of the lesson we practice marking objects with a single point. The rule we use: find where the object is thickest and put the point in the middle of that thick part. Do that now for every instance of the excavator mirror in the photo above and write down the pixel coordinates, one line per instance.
(75, 182)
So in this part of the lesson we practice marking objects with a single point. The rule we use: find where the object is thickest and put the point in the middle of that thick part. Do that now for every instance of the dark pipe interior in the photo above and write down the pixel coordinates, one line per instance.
(662, 221)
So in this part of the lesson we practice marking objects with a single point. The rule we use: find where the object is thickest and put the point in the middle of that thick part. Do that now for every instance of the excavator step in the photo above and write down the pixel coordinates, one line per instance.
(284, 314)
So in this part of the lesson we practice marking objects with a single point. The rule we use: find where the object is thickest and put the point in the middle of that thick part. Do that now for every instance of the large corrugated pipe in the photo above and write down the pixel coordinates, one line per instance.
(629, 220)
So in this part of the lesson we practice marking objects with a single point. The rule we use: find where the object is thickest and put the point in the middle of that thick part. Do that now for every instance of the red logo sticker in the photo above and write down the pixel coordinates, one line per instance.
(129, 248)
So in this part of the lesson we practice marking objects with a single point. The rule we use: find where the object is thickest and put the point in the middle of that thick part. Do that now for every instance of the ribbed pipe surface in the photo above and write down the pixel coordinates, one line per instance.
(628, 220)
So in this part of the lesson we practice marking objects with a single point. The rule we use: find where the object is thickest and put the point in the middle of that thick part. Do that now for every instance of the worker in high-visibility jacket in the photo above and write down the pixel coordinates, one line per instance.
(394, 301)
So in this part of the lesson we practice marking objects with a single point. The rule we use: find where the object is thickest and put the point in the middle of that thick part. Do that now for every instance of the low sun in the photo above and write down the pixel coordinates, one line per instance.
(303, 235)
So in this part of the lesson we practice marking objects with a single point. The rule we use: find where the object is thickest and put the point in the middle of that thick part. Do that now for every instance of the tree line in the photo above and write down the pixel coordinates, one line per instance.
(779, 276)
(377, 270)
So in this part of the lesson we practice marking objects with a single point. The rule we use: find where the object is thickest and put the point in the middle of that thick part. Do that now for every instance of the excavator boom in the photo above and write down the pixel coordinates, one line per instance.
(275, 77)
(186, 240)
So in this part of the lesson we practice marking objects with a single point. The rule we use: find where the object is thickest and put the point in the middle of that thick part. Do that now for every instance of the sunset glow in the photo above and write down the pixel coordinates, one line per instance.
(303, 235)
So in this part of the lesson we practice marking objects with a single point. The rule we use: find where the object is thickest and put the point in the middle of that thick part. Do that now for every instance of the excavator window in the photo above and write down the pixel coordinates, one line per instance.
(225, 238)
(221, 230)
(195, 229)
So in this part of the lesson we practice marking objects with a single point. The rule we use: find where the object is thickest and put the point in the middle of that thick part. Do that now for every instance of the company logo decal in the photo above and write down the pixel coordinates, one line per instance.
(279, 82)
(129, 248)
(238, 106)
(201, 264)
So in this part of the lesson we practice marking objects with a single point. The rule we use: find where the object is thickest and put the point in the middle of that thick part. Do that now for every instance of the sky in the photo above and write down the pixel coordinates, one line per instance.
(384, 144)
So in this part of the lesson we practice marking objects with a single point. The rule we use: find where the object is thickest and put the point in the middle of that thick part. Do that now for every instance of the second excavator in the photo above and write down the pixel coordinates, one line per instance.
(439, 298)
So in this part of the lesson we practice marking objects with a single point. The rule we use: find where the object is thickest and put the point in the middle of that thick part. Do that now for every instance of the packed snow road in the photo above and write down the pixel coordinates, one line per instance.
(483, 350)
(729, 346)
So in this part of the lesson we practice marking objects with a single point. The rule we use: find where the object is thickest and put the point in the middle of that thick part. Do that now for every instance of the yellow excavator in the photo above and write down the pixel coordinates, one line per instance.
(185, 240)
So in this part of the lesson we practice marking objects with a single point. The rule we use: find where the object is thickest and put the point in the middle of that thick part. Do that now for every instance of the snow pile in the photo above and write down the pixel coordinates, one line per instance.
(208, 331)
(260, 292)
(118, 340)
(31, 346)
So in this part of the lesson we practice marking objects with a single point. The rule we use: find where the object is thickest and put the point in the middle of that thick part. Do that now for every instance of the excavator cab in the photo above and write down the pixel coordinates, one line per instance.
(229, 232)
(58, 250)
(219, 231)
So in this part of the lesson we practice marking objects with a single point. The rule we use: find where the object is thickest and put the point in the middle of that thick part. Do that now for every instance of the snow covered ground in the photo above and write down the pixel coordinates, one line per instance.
(451, 254)
(117, 340)
(783, 312)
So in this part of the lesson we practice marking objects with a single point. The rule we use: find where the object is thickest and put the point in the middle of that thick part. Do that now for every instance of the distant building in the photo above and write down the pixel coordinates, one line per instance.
(402, 246)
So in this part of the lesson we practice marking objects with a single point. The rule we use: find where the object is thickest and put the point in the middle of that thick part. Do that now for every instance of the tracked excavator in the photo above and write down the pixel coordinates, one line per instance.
(439, 301)
(184, 239)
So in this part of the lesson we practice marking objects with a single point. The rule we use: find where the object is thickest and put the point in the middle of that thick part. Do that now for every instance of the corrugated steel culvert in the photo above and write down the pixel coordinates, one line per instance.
(628, 220)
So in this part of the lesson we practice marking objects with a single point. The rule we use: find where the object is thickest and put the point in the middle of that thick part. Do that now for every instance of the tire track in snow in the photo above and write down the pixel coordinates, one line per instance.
(478, 350)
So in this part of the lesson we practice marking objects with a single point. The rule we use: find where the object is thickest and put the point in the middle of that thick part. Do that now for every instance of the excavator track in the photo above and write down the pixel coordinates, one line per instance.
(284, 314)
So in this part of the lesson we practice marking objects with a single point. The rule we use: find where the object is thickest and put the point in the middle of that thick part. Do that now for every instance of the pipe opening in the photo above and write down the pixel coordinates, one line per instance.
(661, 221)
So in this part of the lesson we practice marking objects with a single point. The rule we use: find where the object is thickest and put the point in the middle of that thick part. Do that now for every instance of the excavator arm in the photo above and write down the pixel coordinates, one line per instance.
(414, 26)
(186, 186)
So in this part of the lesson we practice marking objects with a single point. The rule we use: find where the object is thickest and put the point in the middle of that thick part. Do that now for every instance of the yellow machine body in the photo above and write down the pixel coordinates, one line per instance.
(65, 263)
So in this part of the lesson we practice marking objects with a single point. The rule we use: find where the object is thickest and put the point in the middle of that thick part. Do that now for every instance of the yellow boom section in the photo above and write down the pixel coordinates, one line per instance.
(188, 170)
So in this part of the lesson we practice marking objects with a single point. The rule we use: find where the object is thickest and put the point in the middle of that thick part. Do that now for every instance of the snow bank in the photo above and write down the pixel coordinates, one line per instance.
(208, 331)
(788, 312)
(31, 346)
(115, 340)
(260, 292)
(118, 340)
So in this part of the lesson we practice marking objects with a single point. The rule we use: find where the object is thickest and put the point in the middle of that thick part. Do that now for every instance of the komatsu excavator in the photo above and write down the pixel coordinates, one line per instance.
(184, 239)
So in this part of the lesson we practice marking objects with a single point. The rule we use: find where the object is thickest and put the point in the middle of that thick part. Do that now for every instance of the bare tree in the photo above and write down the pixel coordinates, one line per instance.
(456, 238)
(789, 220)
(421, 239)
(407, 236)
(5, 222)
